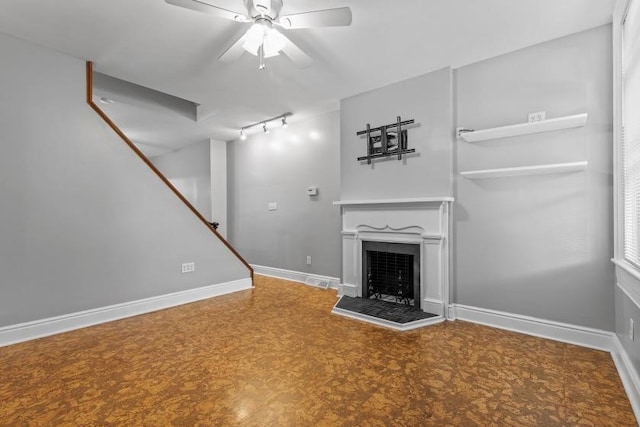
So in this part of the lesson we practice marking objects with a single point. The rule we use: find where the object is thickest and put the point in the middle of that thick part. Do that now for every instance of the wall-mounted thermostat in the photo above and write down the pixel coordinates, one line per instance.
(312, 191)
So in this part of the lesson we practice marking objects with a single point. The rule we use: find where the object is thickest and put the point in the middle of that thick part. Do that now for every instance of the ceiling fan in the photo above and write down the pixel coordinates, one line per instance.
(263, 39)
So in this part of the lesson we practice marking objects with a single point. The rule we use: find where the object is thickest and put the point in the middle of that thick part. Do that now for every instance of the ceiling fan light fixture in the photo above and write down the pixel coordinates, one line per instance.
(273, 43)
(261, 35)
(254, 38)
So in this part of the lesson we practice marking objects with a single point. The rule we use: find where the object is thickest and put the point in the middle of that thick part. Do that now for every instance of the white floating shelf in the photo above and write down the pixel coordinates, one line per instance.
(527, 170)
(549, 125)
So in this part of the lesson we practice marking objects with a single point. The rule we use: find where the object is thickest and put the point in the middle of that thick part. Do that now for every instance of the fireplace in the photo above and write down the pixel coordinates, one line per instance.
(410, 237)
(391, 272)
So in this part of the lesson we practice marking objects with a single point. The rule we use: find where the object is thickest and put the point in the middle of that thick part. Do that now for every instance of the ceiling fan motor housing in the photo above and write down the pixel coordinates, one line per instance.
(262, 39)
(263, 8)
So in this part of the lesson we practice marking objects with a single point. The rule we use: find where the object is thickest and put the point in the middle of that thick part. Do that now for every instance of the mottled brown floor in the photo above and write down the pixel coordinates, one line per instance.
(275, 356)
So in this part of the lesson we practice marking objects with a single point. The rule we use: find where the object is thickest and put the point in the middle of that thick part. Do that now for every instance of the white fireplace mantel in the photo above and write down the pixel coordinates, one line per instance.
(393, 201)
(424, 221)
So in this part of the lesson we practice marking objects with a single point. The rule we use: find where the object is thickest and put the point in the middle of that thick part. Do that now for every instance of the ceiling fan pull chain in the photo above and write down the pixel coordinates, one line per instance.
(261, 56)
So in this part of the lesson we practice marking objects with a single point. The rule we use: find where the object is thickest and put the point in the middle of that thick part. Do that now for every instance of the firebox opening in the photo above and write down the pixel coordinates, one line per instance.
(391, 272)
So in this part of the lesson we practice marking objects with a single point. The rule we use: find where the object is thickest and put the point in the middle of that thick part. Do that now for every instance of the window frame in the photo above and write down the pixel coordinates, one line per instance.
(619, 15)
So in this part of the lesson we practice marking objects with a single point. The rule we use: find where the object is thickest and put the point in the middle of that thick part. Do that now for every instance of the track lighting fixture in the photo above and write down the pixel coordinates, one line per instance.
(265, 128)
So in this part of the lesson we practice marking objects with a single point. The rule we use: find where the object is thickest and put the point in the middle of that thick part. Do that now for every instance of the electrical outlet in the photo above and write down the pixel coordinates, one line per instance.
(308, 260)
(273, 206)
(188, 267)
(631, 332)
(537, 117)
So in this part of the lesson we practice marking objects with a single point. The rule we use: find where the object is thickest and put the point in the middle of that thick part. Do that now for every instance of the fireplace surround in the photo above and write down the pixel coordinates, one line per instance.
(424, 222)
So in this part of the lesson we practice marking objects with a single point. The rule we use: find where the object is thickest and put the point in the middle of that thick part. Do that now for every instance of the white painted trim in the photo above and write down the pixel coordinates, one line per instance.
(629, 289)
(375, 236)
(394, 201)
(628, 375)
(626, 266)
(386, 323)
(385, 230)
(451, 312)
(348, 289)
(620, 10)
(619, 13)
(435, 238)
(563, 332)
(315, 280)
(55, 325)
(558, 123)
(433, 306)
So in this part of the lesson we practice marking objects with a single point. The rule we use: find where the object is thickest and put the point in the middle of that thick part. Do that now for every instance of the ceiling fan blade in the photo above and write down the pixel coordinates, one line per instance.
(296, 54)
(206, 7)
(339, 17)
(233, 52)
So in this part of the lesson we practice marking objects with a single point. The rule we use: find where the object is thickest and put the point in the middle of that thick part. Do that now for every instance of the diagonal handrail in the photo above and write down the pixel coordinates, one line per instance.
(163, 178)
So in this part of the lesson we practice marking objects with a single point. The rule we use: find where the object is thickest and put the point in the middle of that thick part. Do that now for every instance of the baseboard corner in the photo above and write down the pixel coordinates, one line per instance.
(628, 374)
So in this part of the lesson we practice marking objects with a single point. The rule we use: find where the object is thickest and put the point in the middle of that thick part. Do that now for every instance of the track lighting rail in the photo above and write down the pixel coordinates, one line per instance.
(263, 123)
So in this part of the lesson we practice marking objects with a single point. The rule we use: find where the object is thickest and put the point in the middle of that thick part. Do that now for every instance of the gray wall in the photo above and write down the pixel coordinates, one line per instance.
(538, 245)
(428, 100)
(84, 223)
(218, 163)
(278, 167)
(189, 171)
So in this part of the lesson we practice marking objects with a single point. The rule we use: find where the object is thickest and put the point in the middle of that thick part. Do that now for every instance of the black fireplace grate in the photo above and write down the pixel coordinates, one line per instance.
(390, 276)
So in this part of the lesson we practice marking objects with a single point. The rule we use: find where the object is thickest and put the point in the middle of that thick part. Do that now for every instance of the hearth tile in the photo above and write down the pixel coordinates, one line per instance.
(397, 313)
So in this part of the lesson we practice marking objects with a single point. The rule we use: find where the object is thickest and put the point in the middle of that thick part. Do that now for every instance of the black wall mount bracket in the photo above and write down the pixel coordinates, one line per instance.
(386, 141)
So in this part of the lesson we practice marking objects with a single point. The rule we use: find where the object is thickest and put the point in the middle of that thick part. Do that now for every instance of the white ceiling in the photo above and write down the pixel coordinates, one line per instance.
(174, 50)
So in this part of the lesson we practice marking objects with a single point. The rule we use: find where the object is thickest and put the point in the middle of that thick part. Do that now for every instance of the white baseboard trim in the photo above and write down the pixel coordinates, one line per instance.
(451, 312)
(628, 375)
(564, 332)
(433, 306)
(348, 289)
(315, 280)
(14, 334)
